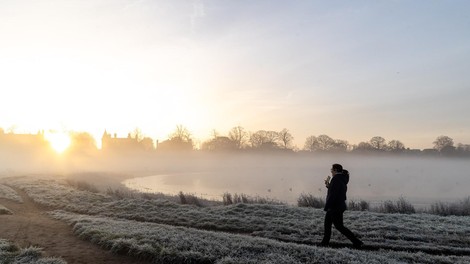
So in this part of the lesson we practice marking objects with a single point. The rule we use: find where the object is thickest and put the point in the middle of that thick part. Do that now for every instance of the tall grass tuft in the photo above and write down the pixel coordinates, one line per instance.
(308, 200)
(82, 186)
(358, 206)
(121, 193)
(186, 198)
(402, 206)
(236, 198)
(461, 208)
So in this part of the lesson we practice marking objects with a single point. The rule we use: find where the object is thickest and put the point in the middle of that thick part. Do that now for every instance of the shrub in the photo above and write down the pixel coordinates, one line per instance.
(461, 208)
(121, 193)
(189, 199)
(308, 200)
(358, 206)
(402, 206)
(82, 186)
(229, 199)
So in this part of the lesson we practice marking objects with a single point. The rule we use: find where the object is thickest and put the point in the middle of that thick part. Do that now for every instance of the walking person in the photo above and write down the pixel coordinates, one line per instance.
(336, 205)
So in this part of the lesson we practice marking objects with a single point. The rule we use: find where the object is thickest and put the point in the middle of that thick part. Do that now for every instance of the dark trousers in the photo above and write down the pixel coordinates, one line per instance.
(336, 217)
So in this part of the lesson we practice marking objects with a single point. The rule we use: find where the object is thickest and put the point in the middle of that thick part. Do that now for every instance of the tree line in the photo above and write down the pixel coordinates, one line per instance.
(238, 138)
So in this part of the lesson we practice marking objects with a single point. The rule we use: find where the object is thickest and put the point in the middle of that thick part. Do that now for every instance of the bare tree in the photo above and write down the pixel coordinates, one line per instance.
(443, 143)
(181, 133)
(264, 139)
(179, 140)
(363, 146)
(286, 138)
(325, 143)
(395, 145)
(378, 143)
(311, 143)
(341, 145)
(219, 143)
(239, 136)
(137, 134)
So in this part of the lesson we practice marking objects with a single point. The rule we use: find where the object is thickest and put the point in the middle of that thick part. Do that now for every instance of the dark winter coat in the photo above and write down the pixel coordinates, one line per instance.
(336, 197)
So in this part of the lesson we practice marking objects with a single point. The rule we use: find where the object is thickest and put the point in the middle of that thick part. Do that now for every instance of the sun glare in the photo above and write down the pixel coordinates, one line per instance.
(59, 141)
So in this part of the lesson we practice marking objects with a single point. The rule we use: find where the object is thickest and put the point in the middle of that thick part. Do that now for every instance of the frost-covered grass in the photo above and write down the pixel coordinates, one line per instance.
(10, 194)
(9, 253)
(4, 210)
(417, 232)
(53, 193)
(170, 244)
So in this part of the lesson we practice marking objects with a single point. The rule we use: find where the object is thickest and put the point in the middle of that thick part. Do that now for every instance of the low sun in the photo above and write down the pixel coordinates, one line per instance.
(58, 141)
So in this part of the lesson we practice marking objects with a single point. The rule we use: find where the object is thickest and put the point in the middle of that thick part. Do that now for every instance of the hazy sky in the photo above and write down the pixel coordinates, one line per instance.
(348, 69)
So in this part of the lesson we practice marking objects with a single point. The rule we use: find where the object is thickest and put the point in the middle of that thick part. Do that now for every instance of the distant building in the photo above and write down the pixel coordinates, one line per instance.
(114, 143)
(23, 141)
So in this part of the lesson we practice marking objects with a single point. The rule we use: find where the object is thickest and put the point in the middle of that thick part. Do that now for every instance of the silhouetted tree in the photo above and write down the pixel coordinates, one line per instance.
(378, 143)
(219, 143)
(180, 139)
(363, 147)
(463, 149)
(444, 144)
(340, 145)
(239, 136)
(311, 143)
(181, 133)
(325, 143)
(263, 139)
(286, 138)
(137, 134)
(396, 146)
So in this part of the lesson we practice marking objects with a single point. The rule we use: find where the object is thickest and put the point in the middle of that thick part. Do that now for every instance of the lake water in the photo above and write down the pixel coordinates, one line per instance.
(419, 180)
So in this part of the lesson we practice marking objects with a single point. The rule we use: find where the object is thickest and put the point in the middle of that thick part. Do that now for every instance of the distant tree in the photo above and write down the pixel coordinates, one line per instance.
(325, 143)
(378, 143)
(137, 134)
(219, 143)
(363, 147)
(181, 133)
(81, 142)
(180, 139)
(285, 138)
(444, 143)
(239, 136)
(263, 139)
(463, 149)
(396, 146)
(311, 143)
(340, 145)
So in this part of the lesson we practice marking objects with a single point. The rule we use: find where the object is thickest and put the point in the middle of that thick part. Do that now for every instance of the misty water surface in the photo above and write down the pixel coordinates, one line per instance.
(420, 180)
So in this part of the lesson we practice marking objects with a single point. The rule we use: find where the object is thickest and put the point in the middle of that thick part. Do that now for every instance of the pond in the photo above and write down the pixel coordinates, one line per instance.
(419, 180)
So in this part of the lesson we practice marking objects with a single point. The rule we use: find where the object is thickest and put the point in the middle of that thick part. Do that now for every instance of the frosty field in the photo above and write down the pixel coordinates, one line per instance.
(161, 230)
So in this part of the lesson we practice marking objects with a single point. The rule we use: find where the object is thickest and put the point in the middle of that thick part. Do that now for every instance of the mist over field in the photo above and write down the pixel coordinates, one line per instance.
(422, 180)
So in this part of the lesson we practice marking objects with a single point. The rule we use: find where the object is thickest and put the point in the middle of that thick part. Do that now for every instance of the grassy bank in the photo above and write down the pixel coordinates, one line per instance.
(10, 253)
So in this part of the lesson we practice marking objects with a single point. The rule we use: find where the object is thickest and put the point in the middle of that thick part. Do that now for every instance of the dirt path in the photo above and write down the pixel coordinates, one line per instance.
(29, 226)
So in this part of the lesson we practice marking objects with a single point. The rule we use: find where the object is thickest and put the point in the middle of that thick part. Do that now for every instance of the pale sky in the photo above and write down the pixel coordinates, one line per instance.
(348, 69)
